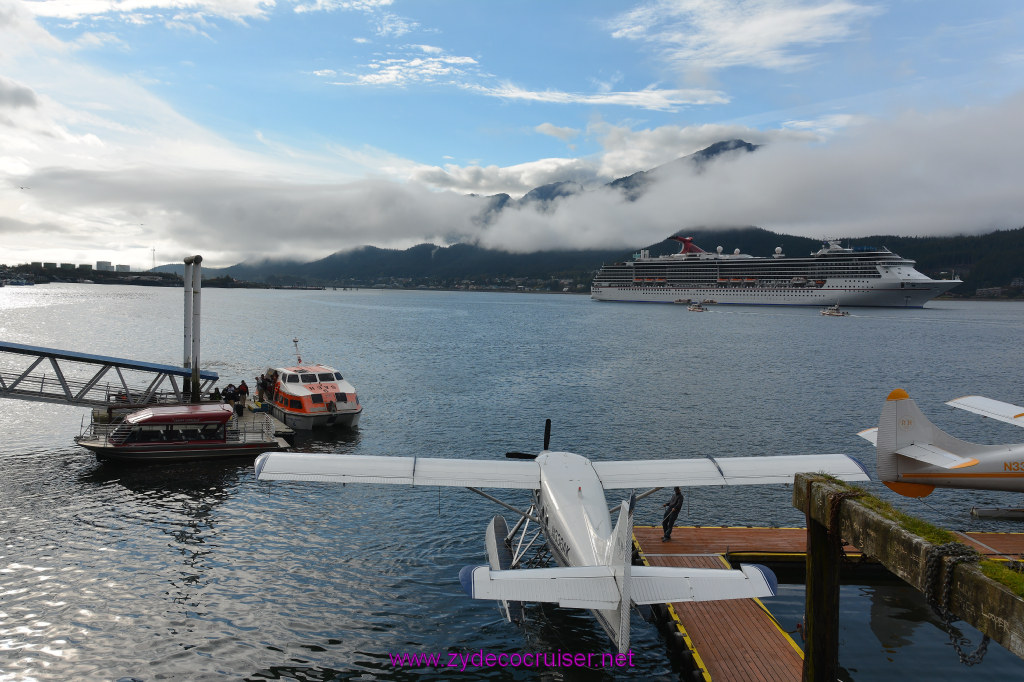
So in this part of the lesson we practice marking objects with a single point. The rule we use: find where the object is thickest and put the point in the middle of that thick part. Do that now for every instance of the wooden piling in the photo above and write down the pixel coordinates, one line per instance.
(991, 607)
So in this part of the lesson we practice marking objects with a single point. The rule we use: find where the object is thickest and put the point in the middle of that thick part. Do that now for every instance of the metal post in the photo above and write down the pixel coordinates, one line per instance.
(187, 277)
(197, 286)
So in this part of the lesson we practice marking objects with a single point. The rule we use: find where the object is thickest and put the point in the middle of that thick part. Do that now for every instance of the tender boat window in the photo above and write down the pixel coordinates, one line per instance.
(317, 398)
(308, 378)
(295, 404)
(337, 375)
(326, 376)
(340, 397)
(291, 378)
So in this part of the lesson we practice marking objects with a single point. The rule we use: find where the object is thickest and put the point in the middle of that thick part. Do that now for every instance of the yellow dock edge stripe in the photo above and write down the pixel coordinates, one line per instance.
(698, 661)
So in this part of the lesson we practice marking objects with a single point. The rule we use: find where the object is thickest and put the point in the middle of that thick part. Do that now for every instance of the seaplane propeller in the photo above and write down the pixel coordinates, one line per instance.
(530, 455)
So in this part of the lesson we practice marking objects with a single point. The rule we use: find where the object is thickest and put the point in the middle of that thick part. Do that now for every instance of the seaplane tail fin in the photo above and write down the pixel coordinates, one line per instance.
(620, 558)
(994, 409)
(661, 584)
(903, 430)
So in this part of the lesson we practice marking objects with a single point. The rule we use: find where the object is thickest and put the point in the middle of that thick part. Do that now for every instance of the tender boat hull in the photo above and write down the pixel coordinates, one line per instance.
(306, 421)
(192, 451)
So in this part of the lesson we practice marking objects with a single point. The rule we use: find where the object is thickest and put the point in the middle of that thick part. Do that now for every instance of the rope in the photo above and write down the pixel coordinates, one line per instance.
(938, 596)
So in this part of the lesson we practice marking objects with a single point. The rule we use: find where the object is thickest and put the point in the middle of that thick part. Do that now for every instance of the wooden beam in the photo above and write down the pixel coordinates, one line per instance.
(989, 606)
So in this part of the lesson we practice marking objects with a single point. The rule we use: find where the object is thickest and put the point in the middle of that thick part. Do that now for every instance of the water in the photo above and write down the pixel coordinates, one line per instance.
(197, 571)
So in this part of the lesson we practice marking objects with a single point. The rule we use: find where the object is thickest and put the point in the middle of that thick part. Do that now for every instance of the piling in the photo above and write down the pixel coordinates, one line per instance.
(836, 511)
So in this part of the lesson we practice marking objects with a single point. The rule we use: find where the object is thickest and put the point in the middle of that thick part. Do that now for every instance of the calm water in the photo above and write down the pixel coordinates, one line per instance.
(200, 572)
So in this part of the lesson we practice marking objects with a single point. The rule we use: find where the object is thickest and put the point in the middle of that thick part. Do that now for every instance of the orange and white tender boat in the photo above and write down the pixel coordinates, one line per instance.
(309, 396)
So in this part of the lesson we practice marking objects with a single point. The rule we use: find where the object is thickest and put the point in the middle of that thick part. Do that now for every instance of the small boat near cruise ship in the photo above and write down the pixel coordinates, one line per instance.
(834, 311)
(180, 432)
(851, 276)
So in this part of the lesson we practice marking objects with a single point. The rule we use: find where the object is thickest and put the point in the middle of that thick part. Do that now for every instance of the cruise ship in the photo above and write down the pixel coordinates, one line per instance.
(833, 275)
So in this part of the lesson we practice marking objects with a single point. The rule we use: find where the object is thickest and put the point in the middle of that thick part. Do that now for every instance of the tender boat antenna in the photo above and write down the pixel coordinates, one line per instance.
(297, 356)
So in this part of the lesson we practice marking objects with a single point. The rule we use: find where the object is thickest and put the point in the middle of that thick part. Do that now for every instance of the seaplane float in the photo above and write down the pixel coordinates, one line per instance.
(571, 512)
(914, 456)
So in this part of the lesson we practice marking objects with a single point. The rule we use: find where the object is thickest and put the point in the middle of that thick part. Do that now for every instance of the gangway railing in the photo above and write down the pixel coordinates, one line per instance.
(71, 378)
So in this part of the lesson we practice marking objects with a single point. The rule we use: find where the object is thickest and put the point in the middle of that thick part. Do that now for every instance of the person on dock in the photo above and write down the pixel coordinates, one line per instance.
(261, 387)
(243, 392)
(672, 509)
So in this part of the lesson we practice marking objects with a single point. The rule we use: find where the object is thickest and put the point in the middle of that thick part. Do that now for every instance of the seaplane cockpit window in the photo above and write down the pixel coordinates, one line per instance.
(308, 378)
(326, 376)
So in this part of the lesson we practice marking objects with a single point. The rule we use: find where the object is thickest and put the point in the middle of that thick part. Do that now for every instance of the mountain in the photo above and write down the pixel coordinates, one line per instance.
(988, 260)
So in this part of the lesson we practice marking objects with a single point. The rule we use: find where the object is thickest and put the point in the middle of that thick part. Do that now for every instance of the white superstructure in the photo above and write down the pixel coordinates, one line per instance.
(858, 276)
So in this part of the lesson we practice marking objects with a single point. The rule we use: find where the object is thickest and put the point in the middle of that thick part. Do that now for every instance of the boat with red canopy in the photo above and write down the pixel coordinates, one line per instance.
(180, 432)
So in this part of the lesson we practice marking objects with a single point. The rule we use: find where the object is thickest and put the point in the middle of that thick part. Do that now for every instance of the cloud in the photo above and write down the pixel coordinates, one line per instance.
(143, 11)
(561, 133)
(714, 34)
(940, 173)
(651, 97)
(405, 71)
(13, 95)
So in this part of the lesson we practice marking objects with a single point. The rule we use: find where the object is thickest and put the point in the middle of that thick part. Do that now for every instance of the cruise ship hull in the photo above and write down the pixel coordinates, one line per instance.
(874, 294)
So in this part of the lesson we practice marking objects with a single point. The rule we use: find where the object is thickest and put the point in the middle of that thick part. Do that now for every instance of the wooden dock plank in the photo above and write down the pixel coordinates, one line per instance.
(735, 639)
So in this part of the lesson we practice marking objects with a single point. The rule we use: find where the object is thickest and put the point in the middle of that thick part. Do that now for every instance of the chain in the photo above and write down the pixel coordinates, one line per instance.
(958, 553)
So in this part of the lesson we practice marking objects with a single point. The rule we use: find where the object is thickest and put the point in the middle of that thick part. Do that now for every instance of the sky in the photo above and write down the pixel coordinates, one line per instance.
(143, 131)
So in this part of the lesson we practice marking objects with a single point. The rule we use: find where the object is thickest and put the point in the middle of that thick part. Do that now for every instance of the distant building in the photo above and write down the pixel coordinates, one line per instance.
(49, 266)
(36, 264)
(86, 267)
(104, 266)
(67, 266)
(989, 291)
(123, 268)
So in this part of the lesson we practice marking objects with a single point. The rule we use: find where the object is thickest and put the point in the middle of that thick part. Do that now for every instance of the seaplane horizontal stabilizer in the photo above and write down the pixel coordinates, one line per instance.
(987, 407)
(595, 587)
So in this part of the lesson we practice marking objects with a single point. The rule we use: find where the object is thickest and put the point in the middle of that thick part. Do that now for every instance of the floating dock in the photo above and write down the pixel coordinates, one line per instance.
(739, 639)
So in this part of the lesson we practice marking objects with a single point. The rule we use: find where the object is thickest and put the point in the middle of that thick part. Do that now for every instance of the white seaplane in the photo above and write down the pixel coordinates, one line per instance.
(914, 456)
(569, 507)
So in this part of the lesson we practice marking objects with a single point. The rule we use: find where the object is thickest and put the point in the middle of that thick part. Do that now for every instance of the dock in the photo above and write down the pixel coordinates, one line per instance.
(739, 639)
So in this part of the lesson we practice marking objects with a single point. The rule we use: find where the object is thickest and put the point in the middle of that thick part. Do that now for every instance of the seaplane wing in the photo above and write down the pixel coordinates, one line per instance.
(285, 466)
(525, 474)
(725, 470)
(987, 407)
(595, 587)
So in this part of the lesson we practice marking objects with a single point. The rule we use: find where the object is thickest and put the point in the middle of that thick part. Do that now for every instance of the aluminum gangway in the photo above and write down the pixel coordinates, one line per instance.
(70, 378)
